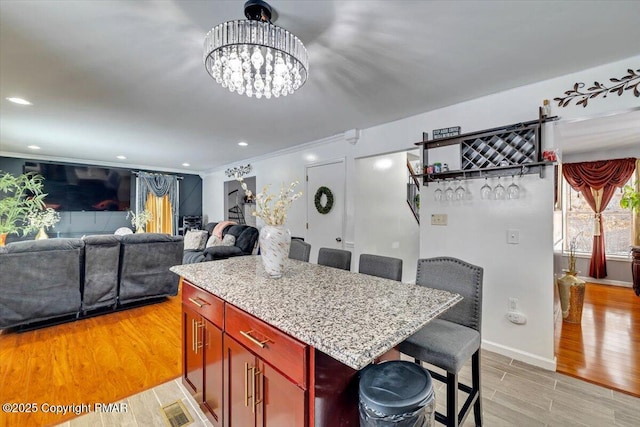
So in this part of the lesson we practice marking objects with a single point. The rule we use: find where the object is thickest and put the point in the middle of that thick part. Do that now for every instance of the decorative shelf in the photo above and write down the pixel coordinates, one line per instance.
(502, 151)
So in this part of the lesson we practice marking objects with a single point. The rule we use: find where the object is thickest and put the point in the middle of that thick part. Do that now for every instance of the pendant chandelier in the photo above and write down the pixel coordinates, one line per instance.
(255, 57)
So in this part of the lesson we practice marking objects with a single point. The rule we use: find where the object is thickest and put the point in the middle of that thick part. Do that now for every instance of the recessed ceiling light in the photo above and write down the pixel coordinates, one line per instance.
(242, 144)
(186, 164)
(33, 147)
(20, 101)
(121, 157)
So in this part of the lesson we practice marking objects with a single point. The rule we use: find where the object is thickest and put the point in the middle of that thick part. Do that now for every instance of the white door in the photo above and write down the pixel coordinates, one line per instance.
(325, 230)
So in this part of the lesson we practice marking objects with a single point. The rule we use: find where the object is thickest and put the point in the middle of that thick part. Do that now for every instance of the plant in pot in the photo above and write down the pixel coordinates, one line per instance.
(42, 220)
(19, 196)
(571, 288)
(631, 200)
(139, 221)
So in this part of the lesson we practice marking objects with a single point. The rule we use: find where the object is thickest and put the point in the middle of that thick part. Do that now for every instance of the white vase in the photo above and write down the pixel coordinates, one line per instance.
(275, 241)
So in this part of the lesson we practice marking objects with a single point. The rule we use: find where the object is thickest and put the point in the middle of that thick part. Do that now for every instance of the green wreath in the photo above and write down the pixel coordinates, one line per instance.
(318, 200)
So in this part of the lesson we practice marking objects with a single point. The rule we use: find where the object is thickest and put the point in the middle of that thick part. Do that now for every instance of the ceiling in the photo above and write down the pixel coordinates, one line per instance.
(110, 78)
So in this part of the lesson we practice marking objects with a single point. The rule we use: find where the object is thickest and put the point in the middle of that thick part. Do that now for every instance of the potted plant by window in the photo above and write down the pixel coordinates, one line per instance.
(571, 289)
(19, 196)
(631, 200)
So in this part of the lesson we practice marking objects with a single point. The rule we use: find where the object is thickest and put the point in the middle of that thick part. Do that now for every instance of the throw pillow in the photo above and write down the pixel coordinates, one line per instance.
(195, 240)
(213, 241)
(229, 240)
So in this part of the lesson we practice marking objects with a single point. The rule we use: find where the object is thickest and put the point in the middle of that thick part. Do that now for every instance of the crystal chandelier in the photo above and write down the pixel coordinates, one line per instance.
(255, 57)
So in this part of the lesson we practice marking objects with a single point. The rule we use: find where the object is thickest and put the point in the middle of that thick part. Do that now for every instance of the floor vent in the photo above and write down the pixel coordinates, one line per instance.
(176, 415)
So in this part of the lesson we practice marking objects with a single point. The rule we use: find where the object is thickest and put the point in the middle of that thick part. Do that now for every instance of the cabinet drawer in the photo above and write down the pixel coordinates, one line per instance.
(201, 301)
(276, 348)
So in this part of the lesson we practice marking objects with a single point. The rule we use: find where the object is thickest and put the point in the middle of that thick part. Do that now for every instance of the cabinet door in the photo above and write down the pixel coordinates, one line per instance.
(213, 387)
(239, 382)
(192, 357)
(280, 402)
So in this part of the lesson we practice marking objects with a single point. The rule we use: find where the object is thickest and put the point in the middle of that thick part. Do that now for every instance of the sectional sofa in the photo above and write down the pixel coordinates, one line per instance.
(46, 281)
(245, 242)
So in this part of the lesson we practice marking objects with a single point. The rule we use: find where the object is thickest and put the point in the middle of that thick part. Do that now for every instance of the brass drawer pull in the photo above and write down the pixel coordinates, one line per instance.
(248, 336)
(197, 302)
(246, 383)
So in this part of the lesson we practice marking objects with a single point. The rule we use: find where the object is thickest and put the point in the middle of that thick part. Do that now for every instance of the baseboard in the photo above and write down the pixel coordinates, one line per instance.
(522, 356)
(607, 282)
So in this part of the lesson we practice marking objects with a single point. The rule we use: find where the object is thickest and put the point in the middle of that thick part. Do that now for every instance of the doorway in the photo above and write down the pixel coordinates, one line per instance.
(236, 206)
(325, 230)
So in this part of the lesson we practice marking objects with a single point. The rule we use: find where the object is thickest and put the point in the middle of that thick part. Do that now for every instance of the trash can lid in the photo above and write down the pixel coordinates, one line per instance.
(395, 387)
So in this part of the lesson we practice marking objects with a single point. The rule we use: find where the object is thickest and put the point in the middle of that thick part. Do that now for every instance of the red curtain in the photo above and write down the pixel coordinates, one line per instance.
(597, 181)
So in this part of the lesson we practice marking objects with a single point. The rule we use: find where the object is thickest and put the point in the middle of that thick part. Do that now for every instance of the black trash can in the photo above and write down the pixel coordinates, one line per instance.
(396, 394)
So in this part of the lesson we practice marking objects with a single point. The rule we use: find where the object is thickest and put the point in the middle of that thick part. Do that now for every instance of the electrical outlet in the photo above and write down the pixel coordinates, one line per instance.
(513, 304)
(439, 219)
(513, 237)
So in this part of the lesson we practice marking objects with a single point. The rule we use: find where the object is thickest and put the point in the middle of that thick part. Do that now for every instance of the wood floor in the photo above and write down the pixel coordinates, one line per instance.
(96, 360)
(605, 347)
(514, 394)
(112, 357)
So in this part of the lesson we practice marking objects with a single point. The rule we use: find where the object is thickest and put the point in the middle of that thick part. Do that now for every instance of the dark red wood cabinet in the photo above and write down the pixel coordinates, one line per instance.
(244, 372)
(202, 321)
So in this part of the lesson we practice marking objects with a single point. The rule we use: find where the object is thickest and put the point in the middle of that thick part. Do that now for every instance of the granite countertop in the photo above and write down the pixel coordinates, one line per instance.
(352, 317)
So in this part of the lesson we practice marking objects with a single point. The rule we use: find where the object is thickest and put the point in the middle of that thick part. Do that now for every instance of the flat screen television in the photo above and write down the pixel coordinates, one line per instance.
(84, 188)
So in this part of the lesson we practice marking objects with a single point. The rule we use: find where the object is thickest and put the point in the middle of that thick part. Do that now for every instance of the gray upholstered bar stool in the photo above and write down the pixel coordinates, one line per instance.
(299, 250)
(449, 341)
(336, 258)
(381, 266)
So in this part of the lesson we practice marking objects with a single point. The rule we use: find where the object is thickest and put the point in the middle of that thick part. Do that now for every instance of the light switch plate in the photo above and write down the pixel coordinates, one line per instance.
(439, 219)
(513, 237)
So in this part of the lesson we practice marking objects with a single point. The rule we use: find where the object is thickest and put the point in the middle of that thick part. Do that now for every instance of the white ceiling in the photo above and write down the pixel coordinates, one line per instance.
(126, 77)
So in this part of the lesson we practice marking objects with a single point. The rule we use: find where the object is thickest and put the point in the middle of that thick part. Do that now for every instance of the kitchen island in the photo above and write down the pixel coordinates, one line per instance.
(286, 352)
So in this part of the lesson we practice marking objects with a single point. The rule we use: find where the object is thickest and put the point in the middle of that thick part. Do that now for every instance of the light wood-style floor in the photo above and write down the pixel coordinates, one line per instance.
(124, 355)
(96, 360)
(514, 394)
(605, 347)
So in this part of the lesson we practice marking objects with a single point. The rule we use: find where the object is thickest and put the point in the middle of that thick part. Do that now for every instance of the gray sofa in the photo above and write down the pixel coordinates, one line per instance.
(246, 240)
(44, 281)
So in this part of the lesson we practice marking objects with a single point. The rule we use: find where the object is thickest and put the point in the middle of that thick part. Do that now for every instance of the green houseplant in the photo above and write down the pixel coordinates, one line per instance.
(631, 200)
(19, 196)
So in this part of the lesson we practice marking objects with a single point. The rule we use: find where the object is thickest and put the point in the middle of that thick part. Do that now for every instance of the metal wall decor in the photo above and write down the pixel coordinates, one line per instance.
(238, 171)
(629, 82)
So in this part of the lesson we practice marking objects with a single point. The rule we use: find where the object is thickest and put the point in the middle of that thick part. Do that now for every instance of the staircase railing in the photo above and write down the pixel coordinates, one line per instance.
(413, 193)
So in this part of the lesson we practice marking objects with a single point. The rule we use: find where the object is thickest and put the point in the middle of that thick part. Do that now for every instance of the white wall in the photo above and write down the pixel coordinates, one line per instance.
(476, 230)
(385, 225)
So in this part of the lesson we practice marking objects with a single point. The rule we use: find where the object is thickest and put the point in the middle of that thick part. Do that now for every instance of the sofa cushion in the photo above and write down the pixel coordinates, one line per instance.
(40, 280)
(195, 240)
(191, 257)
(145, 260)
(101, 261)
(44, 245)
(221, 252)
(246, 237)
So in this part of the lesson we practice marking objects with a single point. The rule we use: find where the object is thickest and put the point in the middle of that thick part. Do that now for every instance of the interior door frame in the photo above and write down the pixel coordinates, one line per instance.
(308, 166)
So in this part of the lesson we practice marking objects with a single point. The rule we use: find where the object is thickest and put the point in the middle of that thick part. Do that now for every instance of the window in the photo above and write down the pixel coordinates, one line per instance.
(579, 224)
